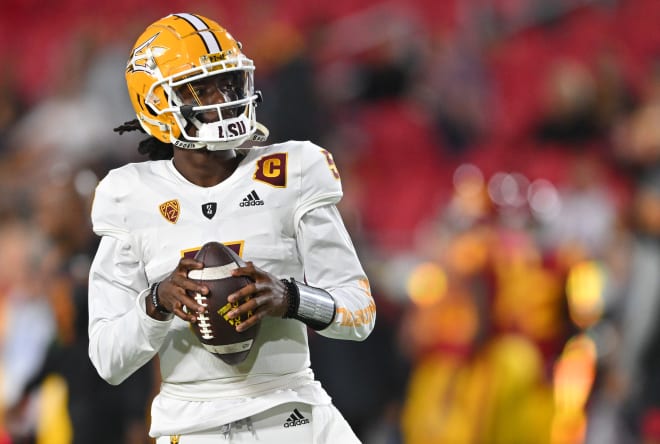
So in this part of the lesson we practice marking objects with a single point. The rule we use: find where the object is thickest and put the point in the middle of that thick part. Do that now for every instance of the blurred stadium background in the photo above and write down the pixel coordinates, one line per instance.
(500, 168)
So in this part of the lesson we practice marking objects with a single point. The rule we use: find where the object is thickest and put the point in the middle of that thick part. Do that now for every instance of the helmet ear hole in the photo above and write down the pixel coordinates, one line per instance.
(151, 110)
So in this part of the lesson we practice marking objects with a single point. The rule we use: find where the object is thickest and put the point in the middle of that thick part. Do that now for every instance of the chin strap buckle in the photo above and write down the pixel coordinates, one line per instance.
(261, 133)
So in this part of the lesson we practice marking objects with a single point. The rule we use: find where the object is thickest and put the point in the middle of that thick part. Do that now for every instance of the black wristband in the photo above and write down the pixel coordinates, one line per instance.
(154, 299)
(292, 296)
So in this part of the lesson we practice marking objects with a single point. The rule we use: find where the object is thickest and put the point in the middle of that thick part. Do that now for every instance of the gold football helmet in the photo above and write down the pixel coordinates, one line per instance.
(191, 85)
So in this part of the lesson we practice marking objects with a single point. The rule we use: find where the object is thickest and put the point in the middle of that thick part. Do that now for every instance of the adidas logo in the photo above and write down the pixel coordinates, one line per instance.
(251, 200)
(295, 419)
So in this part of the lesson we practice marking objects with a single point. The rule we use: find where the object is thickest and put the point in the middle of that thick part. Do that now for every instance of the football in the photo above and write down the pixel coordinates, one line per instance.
(214, 329)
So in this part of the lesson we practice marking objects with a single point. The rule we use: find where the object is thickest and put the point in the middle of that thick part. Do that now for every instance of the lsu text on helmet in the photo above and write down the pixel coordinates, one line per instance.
(191, 85)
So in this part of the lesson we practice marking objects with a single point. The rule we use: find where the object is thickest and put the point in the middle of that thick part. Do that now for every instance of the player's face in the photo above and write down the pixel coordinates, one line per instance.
(212, 90)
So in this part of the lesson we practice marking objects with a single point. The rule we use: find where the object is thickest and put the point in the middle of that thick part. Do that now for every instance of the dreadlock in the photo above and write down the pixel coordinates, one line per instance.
(154, 148)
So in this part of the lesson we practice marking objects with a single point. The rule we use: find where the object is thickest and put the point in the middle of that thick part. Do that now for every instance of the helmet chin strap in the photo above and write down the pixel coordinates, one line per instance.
(186, 144)
(261, 134)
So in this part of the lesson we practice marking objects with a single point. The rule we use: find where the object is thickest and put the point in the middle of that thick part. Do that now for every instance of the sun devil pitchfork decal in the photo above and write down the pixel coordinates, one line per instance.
(170, 210)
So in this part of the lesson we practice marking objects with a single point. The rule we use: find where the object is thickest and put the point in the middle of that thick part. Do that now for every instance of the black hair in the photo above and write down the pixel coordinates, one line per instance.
(154, 148)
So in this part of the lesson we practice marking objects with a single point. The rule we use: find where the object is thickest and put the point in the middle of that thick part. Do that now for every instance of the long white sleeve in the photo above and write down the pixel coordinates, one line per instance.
(122, 338)
(330, 262)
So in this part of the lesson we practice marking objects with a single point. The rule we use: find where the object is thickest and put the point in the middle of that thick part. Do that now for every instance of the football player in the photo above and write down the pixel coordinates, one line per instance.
(193, 93)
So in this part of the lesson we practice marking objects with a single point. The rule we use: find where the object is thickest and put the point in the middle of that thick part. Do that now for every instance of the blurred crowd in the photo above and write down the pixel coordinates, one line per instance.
(501, 183)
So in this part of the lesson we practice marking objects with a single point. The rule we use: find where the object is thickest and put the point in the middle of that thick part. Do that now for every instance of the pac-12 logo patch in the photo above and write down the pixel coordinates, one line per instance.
(170, 210)
(209, 209)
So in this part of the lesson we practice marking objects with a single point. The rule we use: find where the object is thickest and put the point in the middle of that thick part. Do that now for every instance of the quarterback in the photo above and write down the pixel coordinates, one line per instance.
(193, 93)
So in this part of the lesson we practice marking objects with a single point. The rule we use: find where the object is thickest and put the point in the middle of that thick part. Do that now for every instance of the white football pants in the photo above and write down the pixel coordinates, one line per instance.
(292, 423)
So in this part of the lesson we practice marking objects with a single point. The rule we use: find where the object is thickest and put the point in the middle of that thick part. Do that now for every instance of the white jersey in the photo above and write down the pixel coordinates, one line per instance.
(278, 210)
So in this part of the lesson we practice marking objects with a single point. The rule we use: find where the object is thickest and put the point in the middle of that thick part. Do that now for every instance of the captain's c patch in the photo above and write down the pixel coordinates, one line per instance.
(271, 169)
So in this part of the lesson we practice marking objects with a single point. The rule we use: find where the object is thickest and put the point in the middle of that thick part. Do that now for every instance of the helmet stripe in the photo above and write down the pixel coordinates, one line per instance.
(208, 38)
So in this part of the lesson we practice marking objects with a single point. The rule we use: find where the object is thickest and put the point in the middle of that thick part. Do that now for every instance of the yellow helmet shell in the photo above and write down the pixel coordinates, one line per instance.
(170, 50)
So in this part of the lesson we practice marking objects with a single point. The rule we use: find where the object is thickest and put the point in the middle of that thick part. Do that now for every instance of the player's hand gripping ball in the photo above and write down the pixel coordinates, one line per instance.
(215, 330)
